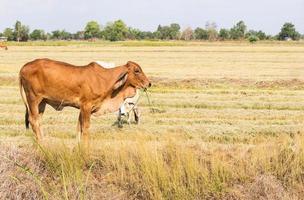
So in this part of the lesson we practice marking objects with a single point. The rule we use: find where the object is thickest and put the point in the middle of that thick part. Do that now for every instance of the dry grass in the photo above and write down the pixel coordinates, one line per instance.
(226, 123)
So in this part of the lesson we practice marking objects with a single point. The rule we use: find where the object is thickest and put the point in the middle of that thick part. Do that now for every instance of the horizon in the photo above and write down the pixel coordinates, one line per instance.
(72, 16)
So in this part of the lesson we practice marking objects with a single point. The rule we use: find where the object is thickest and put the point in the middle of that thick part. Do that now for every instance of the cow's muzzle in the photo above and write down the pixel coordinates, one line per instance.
(147, 86)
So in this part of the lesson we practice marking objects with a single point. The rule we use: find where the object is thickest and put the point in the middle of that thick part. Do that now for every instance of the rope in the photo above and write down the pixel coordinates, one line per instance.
(58, 108)
(135, 104)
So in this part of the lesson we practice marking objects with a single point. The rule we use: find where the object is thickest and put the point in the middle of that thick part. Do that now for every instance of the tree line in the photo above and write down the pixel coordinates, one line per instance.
(118, 30)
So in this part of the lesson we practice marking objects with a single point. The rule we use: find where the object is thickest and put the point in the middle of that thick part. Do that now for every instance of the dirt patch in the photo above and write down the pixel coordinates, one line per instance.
(295, 84)
(23, 175)
(193, 83)
(15, 178)
(8, 80)
(264, 187)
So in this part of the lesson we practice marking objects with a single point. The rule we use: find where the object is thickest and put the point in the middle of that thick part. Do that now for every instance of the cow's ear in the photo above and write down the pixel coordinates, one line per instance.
(129, 63)
(122, 78)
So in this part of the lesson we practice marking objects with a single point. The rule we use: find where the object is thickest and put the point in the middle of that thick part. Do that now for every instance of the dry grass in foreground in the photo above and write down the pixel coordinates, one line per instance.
(149, 166)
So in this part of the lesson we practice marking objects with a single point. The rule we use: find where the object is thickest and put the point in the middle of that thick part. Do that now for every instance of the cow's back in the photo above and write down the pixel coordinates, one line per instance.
(54, 79)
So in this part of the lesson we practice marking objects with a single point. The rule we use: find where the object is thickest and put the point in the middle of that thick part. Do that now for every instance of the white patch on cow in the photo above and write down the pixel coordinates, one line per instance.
(106, 65)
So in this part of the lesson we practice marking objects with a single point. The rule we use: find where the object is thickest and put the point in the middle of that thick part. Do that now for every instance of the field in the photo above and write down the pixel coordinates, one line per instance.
(226, 121)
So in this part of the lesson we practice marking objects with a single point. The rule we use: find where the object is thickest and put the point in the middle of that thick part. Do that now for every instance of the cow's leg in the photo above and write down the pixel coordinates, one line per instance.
(41, 108)
(33, 103)
(41, 111)
(26, 119)
(85, 115)
(136, 115)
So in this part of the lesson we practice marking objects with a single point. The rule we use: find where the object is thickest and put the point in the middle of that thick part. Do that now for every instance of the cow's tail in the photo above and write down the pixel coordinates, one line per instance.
(23, 95)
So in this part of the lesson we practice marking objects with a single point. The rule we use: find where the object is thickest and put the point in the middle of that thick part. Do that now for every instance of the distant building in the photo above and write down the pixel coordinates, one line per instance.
(287, 38)
(3, 39)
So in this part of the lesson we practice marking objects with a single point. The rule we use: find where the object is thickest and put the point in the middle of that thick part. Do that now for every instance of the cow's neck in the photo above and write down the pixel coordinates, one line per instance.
(113, 99)
(110, 76)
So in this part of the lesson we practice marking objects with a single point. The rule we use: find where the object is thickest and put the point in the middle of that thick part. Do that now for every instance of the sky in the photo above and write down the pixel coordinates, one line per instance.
(72, 15)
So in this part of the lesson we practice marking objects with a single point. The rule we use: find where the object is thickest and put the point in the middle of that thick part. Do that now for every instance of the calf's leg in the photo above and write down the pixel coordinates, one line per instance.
(119, 119)
(136, 114)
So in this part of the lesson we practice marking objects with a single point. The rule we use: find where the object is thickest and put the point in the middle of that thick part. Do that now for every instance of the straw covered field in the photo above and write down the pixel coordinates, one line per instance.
(226, 121)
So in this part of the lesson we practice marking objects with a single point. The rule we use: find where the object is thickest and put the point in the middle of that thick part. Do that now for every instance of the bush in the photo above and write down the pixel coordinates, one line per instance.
(253, 38)
(200, 34)
(224, 34)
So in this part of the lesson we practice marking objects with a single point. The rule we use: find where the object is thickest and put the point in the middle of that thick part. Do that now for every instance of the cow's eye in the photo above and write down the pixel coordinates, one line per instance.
(137, 71)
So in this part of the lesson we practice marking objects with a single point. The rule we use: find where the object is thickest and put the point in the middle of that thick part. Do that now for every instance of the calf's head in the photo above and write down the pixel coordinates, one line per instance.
(134, 76)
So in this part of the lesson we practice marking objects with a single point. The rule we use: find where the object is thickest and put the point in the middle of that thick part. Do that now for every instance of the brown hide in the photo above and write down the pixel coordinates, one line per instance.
(3, 46)
(90, 88)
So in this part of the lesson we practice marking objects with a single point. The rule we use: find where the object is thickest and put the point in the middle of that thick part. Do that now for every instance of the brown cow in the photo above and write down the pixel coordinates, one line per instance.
(3, 46)
(90, 88)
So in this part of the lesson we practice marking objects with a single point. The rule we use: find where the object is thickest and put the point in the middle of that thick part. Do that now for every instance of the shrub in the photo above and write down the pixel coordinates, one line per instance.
(253, 39)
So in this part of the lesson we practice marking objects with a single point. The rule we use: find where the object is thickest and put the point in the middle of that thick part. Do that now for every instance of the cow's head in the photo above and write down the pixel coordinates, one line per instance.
(134, 76)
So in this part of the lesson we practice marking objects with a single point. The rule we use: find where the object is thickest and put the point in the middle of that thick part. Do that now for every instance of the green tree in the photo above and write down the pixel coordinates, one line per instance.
(288, 30)
(135, 34)
(9, 33)
(260, 35)
(250, 33)
(66, 35)
(38, 34)
(238, 31)
(17, 31)
(24, 33)
(92, 30)
(148, 35)
(171, 32)
(56, 35)
(61, 35)
(79, 35)
(163, 32)
(116, 31)
(21, 32)
(174, 31)
(224, 34)
(200, 34)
